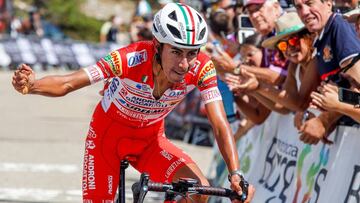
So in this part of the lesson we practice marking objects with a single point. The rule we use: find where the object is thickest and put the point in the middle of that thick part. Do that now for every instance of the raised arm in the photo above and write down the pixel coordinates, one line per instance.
(24, 81)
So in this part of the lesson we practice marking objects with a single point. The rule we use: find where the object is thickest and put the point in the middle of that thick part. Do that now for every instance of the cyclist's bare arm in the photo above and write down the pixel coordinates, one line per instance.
(53, 86)
(223, 134)
(226, 143)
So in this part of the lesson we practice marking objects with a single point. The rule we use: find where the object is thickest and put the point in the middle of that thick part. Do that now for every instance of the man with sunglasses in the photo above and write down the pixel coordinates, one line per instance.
(338, 51)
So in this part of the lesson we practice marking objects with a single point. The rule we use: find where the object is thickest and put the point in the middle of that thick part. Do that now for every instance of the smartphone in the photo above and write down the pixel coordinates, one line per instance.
(349, 96)
(244, 22)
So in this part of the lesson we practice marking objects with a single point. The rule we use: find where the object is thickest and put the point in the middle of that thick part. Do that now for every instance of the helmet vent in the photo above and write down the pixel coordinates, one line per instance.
(155, 28)
(200, 18)
(202, 34)
(174, 31)
(173, 16)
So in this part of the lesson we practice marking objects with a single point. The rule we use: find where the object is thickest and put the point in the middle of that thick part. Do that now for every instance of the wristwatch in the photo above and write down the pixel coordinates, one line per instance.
(236, 172)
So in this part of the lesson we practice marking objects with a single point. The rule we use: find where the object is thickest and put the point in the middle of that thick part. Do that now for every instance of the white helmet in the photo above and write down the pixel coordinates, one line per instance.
(181, 26)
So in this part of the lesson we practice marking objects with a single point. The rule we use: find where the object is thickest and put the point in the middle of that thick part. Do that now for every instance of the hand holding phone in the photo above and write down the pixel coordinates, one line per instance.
(349, 96)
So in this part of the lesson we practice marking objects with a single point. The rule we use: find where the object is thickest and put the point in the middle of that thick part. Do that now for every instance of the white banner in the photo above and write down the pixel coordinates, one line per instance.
(283, 169)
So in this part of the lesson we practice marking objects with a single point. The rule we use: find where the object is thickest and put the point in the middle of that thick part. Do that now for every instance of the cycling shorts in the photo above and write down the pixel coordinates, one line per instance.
(109, 141)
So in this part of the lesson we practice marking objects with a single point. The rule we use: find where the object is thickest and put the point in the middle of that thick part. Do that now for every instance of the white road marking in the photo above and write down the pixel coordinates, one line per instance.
(40, 167)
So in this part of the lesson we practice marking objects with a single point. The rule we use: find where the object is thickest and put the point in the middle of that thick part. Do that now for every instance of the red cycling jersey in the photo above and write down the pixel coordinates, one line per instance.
(130, 121)
(129, 97)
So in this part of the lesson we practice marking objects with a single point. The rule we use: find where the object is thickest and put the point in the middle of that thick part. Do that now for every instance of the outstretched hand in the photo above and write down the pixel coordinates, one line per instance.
(23, 79)
(223, 60)
(327, 98)
(246, 82)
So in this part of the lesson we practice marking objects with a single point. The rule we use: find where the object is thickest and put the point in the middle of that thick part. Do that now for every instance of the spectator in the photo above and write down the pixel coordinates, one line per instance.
(353, 16)
(338, 49)
(164, 2)
(15, 26)
(219, 28)
(295, 43)
(328, 99)
(109, 30)
(343, 6)
(357, 25)
(263, 14)
(144, 34)
(36, 22)
(252, 56)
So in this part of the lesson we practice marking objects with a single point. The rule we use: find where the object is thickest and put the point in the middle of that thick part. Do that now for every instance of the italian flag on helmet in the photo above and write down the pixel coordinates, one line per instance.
(181, 26)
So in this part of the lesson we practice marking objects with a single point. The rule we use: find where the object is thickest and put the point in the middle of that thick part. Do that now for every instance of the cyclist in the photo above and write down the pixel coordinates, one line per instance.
(148, 79)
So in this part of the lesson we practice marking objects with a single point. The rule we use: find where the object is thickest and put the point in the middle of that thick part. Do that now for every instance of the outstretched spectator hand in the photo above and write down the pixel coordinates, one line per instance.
(327, 98)
(246, 82)
(223, 60)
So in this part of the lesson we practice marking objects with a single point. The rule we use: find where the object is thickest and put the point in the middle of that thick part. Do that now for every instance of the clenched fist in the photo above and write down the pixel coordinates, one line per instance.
(23, 79)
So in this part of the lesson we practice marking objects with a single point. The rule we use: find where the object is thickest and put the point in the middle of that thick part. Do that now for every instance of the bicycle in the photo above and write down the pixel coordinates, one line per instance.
(185, 187)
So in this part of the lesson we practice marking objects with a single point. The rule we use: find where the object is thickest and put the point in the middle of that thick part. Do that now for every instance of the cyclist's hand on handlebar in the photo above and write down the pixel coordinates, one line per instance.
(23, 79)
(235, 185)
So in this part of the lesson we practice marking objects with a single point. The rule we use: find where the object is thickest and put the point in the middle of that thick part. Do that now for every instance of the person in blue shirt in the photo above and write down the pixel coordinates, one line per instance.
(338, 51)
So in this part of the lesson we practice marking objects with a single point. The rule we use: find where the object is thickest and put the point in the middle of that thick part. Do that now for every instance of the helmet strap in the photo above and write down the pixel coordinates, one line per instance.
(158, 54)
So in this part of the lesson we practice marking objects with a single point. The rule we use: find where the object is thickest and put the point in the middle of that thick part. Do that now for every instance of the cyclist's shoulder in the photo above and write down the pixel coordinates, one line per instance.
(136, 54)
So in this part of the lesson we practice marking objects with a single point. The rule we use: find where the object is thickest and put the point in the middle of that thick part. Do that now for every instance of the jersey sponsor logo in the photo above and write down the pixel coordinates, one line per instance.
(136, 58)
(173, 166)
(166, 154)
(91, 133)
(114, 61)
(145, 102)
(193, 71)
(176, 93)
(90, 144)
(327, 53)
(95, 74)
(206, 73)
(140, 109)
(210, 95)
(113, 87)
(143, 87)
(159, 27)
(88, 172)
(110, 183)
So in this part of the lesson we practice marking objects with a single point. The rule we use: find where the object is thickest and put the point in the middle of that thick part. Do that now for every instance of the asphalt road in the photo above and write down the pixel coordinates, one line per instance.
(42, 145)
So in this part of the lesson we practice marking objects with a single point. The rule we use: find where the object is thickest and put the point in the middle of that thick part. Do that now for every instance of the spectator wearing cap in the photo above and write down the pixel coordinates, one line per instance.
(295, 43)
(338, 49)
(263, 14)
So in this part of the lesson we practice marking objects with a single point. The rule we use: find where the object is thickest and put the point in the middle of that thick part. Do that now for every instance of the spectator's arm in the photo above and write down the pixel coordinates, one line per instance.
(257, 114)
(289, 96)
(271, 104)
(265, 74)
(354, 71)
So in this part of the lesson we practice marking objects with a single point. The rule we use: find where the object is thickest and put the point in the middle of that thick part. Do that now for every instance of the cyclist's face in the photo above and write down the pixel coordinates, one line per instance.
(176, 62)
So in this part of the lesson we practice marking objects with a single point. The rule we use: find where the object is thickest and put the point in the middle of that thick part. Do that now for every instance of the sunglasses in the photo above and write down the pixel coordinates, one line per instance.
(283, 45)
